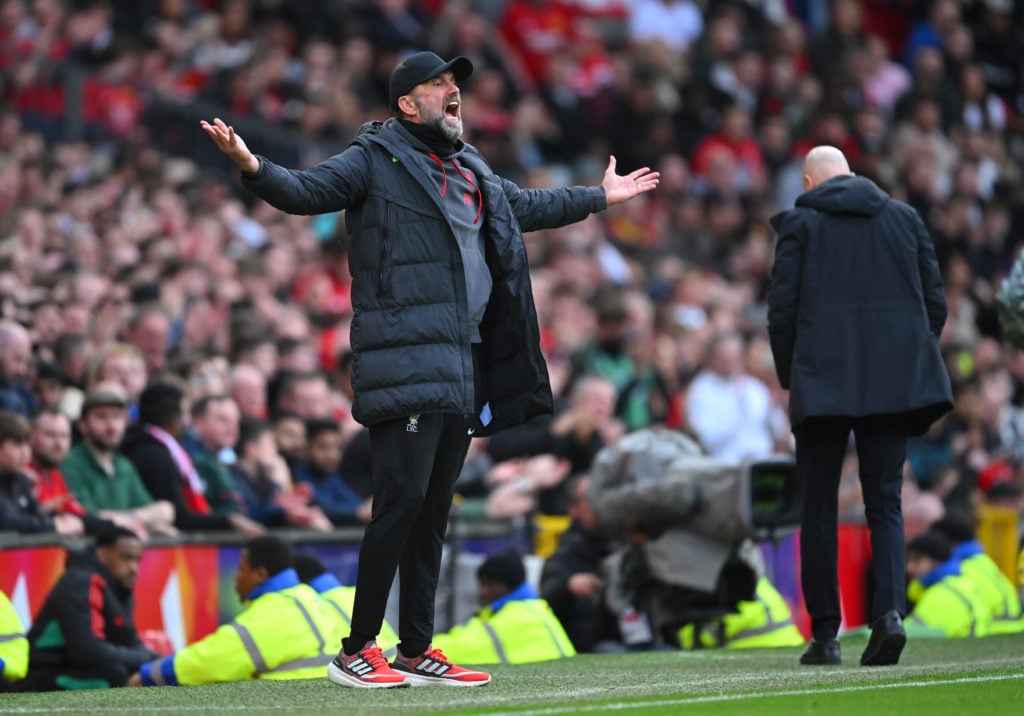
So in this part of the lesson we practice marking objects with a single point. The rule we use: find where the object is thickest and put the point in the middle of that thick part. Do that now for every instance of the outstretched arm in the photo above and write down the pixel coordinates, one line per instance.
(231, 144)
(623, 188)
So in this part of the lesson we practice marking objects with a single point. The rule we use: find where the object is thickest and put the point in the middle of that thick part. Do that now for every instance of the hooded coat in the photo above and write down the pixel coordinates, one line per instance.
(411, 333)
(857, 306)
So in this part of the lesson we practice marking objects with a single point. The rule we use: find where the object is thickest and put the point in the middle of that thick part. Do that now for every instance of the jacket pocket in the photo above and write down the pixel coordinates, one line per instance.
(384, 273)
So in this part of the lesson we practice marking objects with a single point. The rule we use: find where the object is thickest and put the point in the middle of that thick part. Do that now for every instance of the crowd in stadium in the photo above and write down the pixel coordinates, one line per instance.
(145, 295)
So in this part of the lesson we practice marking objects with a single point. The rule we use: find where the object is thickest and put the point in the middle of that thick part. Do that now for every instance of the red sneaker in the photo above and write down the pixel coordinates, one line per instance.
(366, 669)
(431, 668)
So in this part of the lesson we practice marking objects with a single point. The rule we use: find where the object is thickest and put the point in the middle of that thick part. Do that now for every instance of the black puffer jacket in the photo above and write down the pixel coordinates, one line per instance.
(857, 306)
(410, 332)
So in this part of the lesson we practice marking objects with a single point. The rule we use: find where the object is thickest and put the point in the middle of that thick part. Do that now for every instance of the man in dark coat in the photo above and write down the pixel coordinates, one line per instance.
(444, 329)
(855, 312)
(571, 580)
(84, 636)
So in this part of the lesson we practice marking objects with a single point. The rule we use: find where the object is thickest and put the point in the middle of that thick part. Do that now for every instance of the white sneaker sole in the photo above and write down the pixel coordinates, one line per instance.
(339, 677)
(418, 680)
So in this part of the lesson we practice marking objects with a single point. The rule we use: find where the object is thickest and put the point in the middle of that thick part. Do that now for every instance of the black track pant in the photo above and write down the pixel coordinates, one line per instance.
(416, 461)
(97, 676)
(821, 443)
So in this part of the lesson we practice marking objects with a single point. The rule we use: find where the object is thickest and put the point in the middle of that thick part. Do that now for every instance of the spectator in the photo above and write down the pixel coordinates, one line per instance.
(341, 504)
(306, 394)
(19, 510)
(103, 479)
(730, 411)
(13, 646)
(338, 600)
(248, 387)
(84, 635)
(50, 441)
(571, 580)
(283, 633)
(149, 330)
(676, 23)
(166, 469)
(263, 477)
(290, 436)
(210, 443)
(120, 363)
(16, 369)
(513, 626)
(946, 602)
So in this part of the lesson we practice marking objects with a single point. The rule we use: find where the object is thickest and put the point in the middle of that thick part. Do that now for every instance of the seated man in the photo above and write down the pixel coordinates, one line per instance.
(283, 633)
(152, 444)
(49, 442)
(13, 646)
(765, 621)
(210, 443)
(996, 589)
(101, 477)
(84, 635)
(338, 599)
(513, 626)
(947, 603)
(265, 482)
(19, 509)
(571, 580)
(341, 504)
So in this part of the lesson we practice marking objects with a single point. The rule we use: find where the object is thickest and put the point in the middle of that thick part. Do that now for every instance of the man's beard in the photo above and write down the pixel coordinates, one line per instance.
(436, 121)
(101, 443)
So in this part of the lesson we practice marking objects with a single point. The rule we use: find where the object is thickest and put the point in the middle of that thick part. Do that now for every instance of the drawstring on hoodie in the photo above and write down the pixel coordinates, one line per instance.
(444, 185)
(443, 172)
(479, 196)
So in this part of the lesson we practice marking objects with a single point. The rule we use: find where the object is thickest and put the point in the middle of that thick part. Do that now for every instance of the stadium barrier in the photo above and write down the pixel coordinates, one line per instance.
(998, 533)
(185, 586)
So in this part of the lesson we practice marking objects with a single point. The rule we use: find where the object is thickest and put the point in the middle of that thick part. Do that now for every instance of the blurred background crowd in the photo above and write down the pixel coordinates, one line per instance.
(133, 265)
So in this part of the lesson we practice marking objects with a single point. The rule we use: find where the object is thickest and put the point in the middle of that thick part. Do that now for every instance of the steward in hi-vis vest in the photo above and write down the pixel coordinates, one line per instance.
(282, 634)
(13, 646)
(337, 601)
(765, 621)
(514, 626)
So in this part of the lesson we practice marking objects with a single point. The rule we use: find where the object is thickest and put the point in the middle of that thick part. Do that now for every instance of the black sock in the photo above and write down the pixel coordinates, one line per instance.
(354, 642)
(412, 649)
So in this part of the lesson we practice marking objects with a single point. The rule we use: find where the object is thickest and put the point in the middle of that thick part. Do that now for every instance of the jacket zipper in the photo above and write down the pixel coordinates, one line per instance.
(381, 283)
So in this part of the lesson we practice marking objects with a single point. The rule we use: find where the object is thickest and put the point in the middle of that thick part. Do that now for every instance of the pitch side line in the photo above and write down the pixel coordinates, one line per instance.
(550, 711)
(751, 695)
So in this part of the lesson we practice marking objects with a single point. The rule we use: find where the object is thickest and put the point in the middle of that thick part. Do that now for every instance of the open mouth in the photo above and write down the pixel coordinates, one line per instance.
(452, 108)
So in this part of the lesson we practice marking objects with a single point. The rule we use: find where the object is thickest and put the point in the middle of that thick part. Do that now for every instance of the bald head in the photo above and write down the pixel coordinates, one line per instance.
(15, 351)
(822, 163)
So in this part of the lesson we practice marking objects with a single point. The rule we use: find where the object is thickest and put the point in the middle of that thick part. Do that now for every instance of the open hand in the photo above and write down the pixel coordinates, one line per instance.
(231, 144)
(623, 188)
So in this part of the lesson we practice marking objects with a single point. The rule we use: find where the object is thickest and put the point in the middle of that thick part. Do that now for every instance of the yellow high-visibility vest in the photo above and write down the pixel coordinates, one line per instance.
(997, 592)
(284, 634)
(337, 602)
(13, 644)
(520, 632)
(765, 621)
(954, 606)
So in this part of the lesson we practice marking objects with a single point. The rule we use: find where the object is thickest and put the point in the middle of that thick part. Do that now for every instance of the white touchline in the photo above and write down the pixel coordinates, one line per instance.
(551, 711)
(749, 695)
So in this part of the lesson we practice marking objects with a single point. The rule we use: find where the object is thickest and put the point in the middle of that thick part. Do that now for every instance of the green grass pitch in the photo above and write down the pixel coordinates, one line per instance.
(935, 677)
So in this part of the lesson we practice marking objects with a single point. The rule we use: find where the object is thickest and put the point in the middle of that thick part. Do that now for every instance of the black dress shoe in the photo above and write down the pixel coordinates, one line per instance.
(887, 640)
(822, 652)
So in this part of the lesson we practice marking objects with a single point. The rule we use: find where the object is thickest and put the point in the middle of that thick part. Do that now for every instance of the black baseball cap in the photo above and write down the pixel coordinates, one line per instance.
(421, 67)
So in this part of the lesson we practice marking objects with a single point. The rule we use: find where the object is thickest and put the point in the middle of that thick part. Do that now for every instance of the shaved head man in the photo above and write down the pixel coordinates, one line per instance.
(822, 163)
(855, 310)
